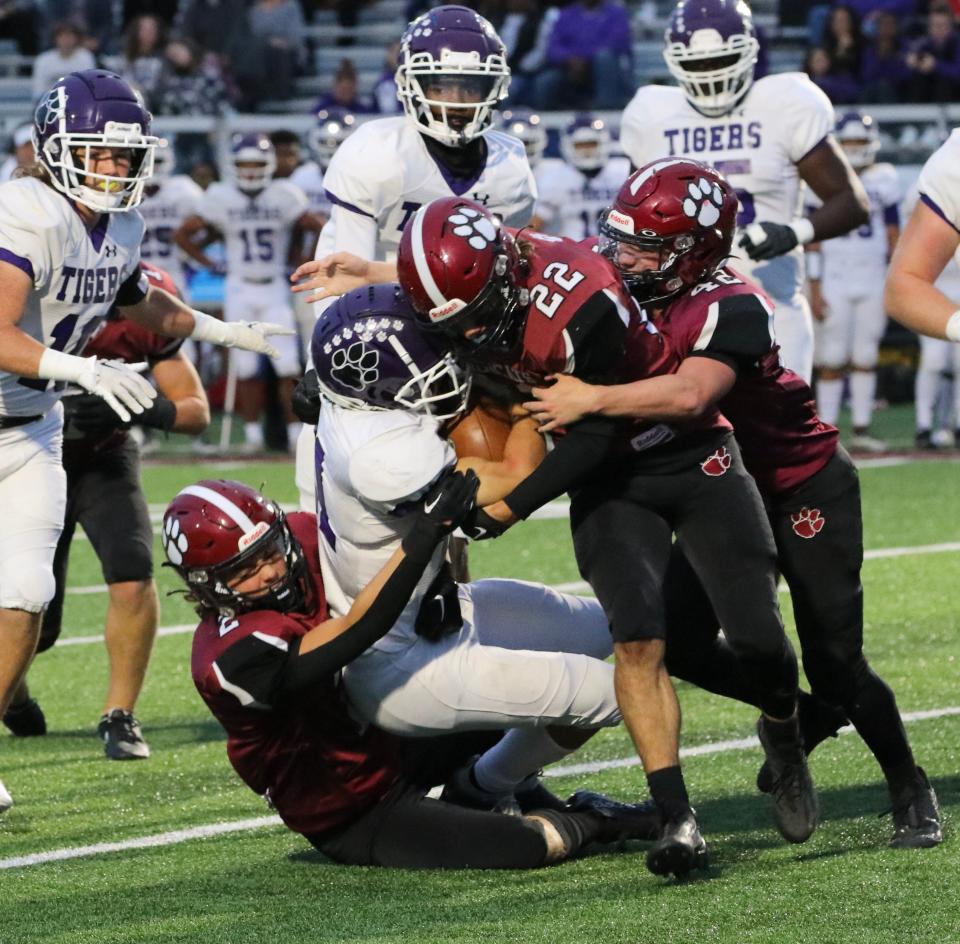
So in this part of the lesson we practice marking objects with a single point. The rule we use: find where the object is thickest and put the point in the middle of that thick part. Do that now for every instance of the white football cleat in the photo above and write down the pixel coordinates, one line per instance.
(6, 801)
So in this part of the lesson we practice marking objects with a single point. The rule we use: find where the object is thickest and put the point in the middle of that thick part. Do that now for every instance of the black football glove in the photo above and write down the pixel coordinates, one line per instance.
(768, 240)
(450, 500)
(479, 526)
(306, 398)
(93, 415)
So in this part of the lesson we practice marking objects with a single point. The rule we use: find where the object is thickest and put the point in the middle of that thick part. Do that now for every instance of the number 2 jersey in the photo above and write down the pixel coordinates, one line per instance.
(756, 147)
(256, 228)
(319, 768)
(77, 276)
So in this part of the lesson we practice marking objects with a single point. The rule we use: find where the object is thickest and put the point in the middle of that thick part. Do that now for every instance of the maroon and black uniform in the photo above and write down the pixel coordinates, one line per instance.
(104, 493)
(812, 494)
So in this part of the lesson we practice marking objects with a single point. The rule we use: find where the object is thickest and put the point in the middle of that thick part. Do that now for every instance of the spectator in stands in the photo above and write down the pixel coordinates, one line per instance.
(68, 55)
(589, 58)
(21, 152)
(278, 26)
(219, 26)
(188, 84)
(143, 46)
(933, 61)
(840, 88)
(20, 21)
(843, 41)
(344, 93)
(525, 28)
(385, 99)
(883, 71)
(104, 23)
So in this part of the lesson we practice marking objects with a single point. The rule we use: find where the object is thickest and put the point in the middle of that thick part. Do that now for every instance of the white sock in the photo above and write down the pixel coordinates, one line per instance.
(863, 389)
(253, 433)
(925, 397)
(829, 395)
(514, 757)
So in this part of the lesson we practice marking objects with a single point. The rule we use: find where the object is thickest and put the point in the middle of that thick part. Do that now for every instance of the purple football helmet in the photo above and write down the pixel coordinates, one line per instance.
(526, 125)
(859, 137)
(452, 72)
(585, 142)
(334, 126)
(88, 111)
(711, 49)
(252, 162)
(371, 354)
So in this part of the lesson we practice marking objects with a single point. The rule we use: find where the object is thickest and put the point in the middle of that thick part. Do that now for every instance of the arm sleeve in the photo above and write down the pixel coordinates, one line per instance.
(352, 232)
(596, 337)
(134, 289)
(807, 114)
(738, 331)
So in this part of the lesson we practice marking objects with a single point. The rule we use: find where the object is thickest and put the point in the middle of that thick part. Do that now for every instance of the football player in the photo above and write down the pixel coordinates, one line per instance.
(929, 241)
(105, 496)
(69, 251)
(452, 72)
(717, 326)
(572, 192)
(486, 654)
(766, 137)
(522, 309)
(334, 126)
(257, 217)
(266, 660)
(528, 126)
(846, 286)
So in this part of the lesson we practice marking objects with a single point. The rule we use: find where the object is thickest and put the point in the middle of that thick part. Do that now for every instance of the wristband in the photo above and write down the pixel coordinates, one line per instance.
(814, 260)
(206, 327)
(952, 329)
(161, 415)
(55, 365)
(803, 230)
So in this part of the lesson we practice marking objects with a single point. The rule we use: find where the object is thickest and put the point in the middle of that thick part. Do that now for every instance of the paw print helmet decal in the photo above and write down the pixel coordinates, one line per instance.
(371, 353)
(680, 210)
(216, 532)
(460, 270)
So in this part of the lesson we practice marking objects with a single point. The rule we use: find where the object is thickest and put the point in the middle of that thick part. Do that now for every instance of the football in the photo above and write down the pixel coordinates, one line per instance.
(481, 432)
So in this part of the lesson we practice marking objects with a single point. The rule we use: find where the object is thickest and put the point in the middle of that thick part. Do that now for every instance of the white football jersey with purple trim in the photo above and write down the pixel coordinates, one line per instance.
(385, 173)
(309, 178)
(569, 201)
(256, 229)
(756, 147)
(76, 274)
(939, 182)
(167, 202)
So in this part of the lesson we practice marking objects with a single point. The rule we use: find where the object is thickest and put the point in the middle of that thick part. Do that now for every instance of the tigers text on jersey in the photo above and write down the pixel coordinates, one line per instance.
(256, 228)
(861, 255)
(77, 275)
(569, 200)
(385, 172)
(756, 147)
(369, 463)
(939, 182)
(319, 767)
(167, 202)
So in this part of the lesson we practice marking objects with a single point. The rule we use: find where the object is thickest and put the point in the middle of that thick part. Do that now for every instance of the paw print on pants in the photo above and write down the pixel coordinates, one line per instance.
(474, 227)
(174, 541)
(703, 202)
(355, 367)
(718, 463)
(807, 522)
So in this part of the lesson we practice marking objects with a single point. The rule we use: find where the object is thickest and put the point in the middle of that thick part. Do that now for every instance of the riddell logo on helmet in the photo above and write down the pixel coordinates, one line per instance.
(442, 312)
(620, 221)
(251, 536)
(718, 463)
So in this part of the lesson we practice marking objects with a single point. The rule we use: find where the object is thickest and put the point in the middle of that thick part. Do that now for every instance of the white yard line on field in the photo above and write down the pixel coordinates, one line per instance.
(246, 825)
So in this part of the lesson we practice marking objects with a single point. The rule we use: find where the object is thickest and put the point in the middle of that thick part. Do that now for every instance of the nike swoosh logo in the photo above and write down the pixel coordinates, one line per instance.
(429, 506)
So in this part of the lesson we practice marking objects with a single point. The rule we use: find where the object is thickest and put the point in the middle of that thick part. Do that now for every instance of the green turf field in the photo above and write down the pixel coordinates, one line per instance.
(263, 884)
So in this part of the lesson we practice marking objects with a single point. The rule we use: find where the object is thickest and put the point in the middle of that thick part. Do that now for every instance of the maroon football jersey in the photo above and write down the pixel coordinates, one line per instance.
(319, 768)
(729, 318)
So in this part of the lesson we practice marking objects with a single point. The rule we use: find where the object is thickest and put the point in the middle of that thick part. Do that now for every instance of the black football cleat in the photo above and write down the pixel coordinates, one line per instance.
(916, 819)
(795, 806)
(122, 739)
(26, 719)
(621, 821)
(531, 794)
(680, 848)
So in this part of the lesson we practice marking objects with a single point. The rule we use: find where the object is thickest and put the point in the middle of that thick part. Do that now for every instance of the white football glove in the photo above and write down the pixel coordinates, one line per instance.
(119, 384)
(247, 335)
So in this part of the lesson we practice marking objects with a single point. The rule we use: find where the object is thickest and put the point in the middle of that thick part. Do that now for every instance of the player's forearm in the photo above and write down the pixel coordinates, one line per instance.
(193, 415)
(161, 313)
(841, 212)
(19, 353)
(379, 273)
(659, 398)
(917, 304)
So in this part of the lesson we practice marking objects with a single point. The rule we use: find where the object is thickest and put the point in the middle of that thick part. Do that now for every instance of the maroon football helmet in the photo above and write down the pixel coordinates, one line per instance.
(215, 530)
(460, 271)
(682, 210)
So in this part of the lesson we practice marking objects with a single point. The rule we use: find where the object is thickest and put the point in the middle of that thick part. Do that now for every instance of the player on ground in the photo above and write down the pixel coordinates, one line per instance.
(846, 286)
(519, 311)
(257, 217)
(266, 660)
(572, 192)
(452, 73)
(69, 251)
(105, 496)
(766, 137)
(717, 326)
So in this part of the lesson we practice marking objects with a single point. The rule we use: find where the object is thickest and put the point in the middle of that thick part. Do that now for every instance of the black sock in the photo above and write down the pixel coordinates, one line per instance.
(669, 792)
(818, 720)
